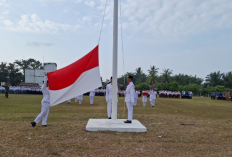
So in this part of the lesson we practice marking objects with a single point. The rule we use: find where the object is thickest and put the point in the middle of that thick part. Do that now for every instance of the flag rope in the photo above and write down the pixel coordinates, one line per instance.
(102, 22)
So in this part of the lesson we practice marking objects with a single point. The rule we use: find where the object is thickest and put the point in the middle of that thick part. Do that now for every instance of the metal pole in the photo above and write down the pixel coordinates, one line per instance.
(115, 62)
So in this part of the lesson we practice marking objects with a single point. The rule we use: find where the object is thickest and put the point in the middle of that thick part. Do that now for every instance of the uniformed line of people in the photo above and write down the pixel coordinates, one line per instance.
(169, 94)
(221, 96)
(22, 90)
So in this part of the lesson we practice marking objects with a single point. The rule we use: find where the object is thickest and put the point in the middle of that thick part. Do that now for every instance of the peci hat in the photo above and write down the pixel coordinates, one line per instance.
(131, 77)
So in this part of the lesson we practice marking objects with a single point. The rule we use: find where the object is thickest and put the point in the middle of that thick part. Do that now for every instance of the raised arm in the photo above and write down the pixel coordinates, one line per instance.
(45, 82)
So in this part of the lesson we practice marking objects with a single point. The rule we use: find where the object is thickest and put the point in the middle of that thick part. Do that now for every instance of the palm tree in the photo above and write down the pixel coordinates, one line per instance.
(166, 75)
(153, 69)
(152, 78)
(227, 79)
(214, 78)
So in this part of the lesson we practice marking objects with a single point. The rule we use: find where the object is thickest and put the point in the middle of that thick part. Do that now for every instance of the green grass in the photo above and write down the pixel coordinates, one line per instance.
(208, 129)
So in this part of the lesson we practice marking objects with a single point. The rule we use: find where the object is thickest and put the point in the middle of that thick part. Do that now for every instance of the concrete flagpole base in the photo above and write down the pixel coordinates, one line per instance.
(115, 125)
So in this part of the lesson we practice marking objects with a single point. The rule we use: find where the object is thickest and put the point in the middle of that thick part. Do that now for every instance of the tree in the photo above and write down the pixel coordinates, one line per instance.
(142, 86)
(3, 72)
(139, 76)
(152, 77)
(29, 63)
(10, 70)
(153, 70)
(227, 79)
(173, 86)
(214, 79)
(166, 75)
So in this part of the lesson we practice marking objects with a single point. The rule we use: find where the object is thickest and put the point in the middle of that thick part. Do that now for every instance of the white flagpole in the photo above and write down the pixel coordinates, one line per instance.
(115, 62)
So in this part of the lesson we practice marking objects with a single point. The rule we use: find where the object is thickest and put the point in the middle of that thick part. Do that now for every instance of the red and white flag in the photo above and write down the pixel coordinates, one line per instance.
(78, 78)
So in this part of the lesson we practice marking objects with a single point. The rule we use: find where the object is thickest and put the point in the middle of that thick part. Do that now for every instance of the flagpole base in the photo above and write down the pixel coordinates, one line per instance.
(118, 125)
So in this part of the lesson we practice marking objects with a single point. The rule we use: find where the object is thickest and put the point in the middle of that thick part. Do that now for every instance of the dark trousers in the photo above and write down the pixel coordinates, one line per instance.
(6, 95)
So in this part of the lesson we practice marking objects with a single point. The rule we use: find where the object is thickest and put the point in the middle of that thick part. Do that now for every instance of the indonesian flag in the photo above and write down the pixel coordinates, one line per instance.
(78, 78)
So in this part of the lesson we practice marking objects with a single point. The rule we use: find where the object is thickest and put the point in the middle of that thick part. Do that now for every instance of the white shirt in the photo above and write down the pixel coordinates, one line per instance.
(130, 93)
(109, 92)
(152, 95)
(45, 90)
(92, 93)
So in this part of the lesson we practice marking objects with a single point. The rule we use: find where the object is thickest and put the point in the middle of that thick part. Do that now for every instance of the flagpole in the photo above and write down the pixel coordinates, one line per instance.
(115, 62)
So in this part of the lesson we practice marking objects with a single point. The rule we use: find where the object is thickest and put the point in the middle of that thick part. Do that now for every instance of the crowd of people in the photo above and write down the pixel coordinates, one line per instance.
(22, 90)
(169, 94)
(221, 96)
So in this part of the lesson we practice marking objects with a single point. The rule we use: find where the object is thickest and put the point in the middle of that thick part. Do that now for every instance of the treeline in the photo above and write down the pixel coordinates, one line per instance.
(13, 73)
(166, 80)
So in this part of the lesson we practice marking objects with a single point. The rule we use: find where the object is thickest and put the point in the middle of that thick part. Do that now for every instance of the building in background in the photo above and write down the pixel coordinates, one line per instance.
(37, 75)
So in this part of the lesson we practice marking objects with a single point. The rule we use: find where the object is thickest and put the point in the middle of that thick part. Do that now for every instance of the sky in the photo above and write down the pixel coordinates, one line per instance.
(191, 37)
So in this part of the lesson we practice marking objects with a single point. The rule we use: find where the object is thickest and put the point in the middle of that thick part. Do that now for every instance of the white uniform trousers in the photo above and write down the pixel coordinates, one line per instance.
(130, 110)
(44, 113)
(69, 101)
(109, 108)
(91, 99)
(144, 104)
(135, 103)
(76, 99)
(152, 102)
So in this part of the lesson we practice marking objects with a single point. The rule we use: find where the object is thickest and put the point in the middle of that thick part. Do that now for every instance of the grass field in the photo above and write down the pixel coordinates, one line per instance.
(197, 127)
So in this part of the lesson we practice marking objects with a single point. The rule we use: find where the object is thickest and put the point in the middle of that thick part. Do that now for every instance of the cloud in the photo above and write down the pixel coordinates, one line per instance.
(173, 18)
(33, 24)
(37, 44)
(78, 1)
(2, 2)
(5, 12)
(8, 23)
(90, 3)
(86, 19)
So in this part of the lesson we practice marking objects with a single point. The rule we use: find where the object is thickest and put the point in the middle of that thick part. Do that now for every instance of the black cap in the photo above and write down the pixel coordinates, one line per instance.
(111, 78)
(131, 77)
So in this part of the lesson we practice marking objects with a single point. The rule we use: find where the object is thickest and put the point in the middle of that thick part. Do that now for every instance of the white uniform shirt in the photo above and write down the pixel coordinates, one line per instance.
(136, 94)
(92, 93)
(45, 90)
(109, 91)
(152, 95)
(130, 93)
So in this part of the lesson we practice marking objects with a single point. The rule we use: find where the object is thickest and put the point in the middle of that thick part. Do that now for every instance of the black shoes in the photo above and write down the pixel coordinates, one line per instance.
(109, 118)
(44, 125)
(153, 106)
(33, 124)
(128, 121)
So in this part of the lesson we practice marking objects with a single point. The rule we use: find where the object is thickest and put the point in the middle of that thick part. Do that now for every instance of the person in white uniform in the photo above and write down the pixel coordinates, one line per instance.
(69, 101)
(109, 98)
(45, 105)
(130, 98)
(80, 98)
(91, 95)
(153, 97)
(144, 100)
(136, 97)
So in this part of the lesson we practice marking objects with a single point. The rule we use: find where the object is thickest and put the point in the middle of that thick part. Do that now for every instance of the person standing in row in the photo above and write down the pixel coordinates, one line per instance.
(136, 97)
(144, 100)
(91, 96)
(130, 98)
(45, 104)
(80, 98)
(6, 91)
(153, 97)
(109, 97)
